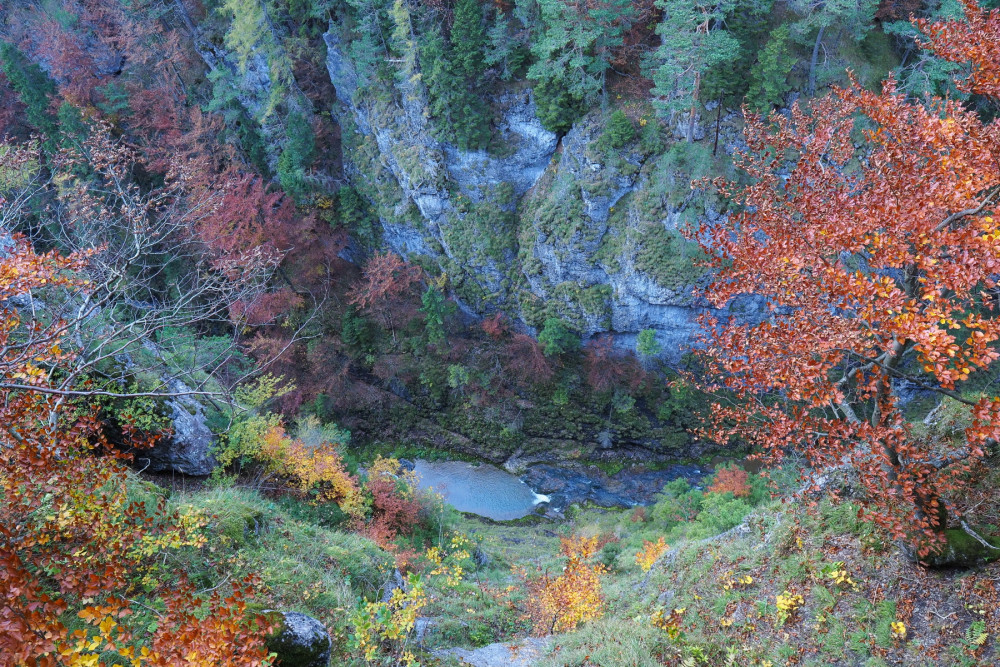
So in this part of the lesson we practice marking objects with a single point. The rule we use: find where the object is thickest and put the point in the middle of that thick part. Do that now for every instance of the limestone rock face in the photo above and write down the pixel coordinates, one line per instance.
(539, 226)
(300, 641)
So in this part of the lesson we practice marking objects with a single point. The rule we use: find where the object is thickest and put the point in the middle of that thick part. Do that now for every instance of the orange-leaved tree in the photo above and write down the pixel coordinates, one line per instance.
(559, 604)
(75, 546)
(878, 260)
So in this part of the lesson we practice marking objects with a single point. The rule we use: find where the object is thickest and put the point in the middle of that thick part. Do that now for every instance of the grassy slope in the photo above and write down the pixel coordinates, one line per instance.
(787, 547)
(307, 563)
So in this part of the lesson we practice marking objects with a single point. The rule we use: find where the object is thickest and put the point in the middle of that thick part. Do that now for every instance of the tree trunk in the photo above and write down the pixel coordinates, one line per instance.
(694, 105)
(718, 122)
(812, 63)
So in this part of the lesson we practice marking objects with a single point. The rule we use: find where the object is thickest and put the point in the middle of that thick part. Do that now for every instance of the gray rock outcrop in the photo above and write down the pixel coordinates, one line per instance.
(514, 654)
(189, 449)
(299, 641)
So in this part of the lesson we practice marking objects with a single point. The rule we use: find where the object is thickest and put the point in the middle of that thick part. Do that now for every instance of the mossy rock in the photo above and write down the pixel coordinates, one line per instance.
(963, 550)
(298, 640)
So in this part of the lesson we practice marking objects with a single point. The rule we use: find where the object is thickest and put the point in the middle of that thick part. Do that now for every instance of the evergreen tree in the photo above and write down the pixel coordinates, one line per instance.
(693, 42)
(433, 307)
(296, 157)
(35, 89)
(573, 54)
(403, 40)
(504, 50)
(749, 23)
(368, 48)
(647, 345)
(769, 75)
(456, 105)
(556, 338)
(468, 40)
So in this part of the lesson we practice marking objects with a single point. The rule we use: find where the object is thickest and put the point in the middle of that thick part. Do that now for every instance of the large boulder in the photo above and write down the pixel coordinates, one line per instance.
(299, 640)
(189, 450)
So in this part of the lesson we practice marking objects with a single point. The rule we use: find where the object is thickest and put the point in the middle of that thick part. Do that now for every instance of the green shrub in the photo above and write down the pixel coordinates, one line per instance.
(620, 130)
(677, 503)
(556, 338)
(651, 139)
(720, 512)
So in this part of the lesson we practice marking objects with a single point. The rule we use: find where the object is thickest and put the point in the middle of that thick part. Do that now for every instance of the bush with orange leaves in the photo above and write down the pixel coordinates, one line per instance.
(732, 480)
(398, 507)
(559, 604)
(317, 469)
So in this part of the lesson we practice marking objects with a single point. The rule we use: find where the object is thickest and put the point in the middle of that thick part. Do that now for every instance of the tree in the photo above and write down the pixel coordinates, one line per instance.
(621, 129)
(150, 269)
(455, 96)
(559, 604)
(387, 280)
(34, 88)
(646, 343)
(974, 42)
(556, 338)
(606, 368)
(692, 42)
(468, 39)
(573, 54)
(854, 16)
(873, 276)
(769, 75)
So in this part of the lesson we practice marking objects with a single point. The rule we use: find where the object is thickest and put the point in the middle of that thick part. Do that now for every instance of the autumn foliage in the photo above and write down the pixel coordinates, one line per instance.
(731, 480)
(315, 470)
(561, 603)
(650, 553)
(877, 265)
(73, 543)
(396, 504)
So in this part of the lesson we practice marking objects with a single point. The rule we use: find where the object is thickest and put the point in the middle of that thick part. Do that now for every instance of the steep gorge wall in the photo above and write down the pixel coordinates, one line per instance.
(587, 234)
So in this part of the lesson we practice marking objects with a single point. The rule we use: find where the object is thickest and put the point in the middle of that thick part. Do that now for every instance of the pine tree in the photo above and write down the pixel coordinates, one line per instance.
(573, 54)
(769, 75)
(468, 40)
(34, 87)
(456, 104)
(693, 42)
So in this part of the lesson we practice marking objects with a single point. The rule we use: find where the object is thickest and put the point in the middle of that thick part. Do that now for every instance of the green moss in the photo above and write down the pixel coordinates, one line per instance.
(668, 257)
(963, 550)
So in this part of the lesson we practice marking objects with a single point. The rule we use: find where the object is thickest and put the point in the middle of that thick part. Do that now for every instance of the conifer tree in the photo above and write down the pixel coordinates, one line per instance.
(468, 40)
(573, 55)
(33, 86)
(769, 75)
(692, 43)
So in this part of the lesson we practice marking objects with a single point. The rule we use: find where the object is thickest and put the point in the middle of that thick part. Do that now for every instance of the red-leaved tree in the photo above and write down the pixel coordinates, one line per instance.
(386, 286)
(877, 265)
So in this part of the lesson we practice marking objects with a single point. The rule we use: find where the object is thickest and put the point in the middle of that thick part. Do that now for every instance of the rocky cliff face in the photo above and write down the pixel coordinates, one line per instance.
(588, 234)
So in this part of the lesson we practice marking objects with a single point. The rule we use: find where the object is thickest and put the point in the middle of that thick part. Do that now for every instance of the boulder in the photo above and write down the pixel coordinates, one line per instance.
(959, 550)
(189, 450)
(299, 640)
